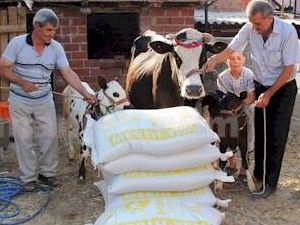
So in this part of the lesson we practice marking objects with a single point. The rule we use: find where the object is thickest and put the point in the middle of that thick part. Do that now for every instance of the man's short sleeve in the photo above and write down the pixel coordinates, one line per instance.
(62, 61)
(11, 50)
(241, 39)
(291, 50)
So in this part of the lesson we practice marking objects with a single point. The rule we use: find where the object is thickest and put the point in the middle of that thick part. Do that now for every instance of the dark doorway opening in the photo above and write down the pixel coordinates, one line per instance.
(111, 34)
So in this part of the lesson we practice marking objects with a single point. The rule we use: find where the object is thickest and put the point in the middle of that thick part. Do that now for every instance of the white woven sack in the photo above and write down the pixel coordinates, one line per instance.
(189, 159)
(161, 211)
(177, 180)
(202, 196)
(156, 132)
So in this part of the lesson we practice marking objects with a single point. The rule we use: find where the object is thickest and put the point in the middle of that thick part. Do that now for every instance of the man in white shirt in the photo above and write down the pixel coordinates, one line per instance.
(274, 52)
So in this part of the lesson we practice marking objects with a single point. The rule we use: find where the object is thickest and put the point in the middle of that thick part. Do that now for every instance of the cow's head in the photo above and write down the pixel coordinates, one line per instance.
(189, 48)
(111, 97)
(219, 101)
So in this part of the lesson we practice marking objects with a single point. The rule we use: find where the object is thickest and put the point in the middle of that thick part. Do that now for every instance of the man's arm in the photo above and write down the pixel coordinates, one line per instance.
(265, 97)
(217, 59)
(7, 73)
(290, 56)
(72, 79)
(238, 43)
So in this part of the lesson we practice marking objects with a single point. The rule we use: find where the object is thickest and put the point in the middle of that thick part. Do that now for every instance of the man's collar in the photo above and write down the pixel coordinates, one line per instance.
(276, 26)
(29, 39)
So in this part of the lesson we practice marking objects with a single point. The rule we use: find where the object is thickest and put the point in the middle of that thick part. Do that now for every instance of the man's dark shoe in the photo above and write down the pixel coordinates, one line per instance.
(50, 181)
(30, 186)
(264, 194)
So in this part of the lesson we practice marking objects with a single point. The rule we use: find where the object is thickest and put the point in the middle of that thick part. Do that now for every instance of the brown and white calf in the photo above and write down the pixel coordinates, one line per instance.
(111, 97)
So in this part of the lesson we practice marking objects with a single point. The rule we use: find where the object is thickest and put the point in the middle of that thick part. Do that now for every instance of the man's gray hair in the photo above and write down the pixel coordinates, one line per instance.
(259, 6)
(44, 16)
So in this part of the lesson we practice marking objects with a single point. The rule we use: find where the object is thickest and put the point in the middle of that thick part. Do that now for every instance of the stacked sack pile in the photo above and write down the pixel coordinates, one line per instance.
(157, 167)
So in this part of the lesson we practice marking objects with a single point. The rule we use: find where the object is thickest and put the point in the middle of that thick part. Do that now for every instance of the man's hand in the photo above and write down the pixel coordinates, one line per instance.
(91, 99)
(210, 65)
(263, 100)
(29, 86)
(72, 79)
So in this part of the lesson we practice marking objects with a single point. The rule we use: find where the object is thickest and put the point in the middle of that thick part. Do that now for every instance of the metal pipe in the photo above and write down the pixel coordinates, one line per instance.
(206, 5)
(206, 16)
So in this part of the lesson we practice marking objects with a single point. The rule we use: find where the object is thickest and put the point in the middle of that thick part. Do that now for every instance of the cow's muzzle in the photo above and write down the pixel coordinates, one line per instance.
(129, 107)
(193, 90)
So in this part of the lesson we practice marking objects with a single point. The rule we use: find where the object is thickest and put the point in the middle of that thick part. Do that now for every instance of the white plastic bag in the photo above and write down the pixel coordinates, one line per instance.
(177, 180)
(189, 159)
(202, 196)
(161, 211)
(156, 132)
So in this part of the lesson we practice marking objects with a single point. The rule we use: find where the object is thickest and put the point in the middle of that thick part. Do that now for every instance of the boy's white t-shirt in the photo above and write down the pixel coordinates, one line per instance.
(226, 82)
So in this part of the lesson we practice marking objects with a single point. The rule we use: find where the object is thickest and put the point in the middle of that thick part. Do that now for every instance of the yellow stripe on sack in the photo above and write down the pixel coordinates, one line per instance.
(165, 221)
(152, 134)
(137, 205)
(167, 194)
(130, 175)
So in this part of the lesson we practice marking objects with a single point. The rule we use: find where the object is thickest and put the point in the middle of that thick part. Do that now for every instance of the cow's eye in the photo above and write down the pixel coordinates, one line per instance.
(115, 94)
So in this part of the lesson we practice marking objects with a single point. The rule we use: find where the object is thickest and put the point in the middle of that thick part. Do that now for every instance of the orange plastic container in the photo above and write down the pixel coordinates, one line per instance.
(4, 110)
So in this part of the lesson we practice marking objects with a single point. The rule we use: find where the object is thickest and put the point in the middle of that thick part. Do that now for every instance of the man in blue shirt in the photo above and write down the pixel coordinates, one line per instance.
(274, 52)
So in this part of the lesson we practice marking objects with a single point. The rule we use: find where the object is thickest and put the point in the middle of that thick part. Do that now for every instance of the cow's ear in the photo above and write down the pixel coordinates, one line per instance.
(216, 48)
(141, 42)
(102, 82)
(161, 47)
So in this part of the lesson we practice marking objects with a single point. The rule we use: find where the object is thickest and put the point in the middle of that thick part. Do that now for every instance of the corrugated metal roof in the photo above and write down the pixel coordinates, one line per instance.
(234, 17)
(221, 17)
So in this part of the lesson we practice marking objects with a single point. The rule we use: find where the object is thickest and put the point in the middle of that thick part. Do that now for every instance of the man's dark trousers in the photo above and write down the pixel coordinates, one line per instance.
(278, 116)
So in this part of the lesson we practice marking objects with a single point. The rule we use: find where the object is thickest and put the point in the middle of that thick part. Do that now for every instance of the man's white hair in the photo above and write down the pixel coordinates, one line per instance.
(45, 16)
(259, 6)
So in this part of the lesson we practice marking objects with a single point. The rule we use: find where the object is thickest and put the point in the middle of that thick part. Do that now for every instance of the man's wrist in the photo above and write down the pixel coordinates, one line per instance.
(270, 92)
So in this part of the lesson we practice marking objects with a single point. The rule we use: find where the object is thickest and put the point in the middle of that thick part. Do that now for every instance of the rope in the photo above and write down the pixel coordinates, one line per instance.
(79, 97)
(265, 156)
(54, 92)
(11, 187)
(265, 151)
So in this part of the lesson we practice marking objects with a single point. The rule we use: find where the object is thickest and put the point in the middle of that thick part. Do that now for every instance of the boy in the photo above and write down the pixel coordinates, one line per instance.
(239, 79)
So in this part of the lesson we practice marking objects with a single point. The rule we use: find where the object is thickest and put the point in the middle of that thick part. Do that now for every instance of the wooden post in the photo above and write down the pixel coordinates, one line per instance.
(12, 23)
(3, 43)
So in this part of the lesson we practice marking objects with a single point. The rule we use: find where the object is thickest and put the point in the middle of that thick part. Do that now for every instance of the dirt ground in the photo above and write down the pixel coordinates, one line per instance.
(80, 204)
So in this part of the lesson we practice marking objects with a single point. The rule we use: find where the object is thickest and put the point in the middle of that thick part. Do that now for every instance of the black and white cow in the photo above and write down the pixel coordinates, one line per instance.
(111, 97)
(166, 71)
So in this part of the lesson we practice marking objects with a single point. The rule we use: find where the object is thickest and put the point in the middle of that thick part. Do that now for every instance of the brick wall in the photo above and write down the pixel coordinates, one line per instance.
(167, 20)
(72, 35)
(234, 5)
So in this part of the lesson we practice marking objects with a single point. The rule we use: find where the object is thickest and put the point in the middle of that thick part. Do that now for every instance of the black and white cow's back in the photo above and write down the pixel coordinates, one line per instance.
(111, 97)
